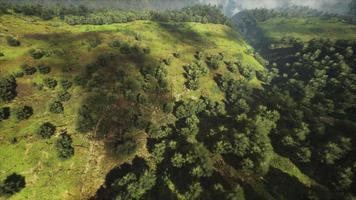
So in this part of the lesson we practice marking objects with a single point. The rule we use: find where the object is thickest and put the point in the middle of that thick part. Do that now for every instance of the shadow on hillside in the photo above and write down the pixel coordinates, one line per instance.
(122, 85)
(110, 188)
(185, 34)
(284, 186)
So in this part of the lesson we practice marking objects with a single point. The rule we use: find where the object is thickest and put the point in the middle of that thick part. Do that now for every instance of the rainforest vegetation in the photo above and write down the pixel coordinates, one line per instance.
(176, 104)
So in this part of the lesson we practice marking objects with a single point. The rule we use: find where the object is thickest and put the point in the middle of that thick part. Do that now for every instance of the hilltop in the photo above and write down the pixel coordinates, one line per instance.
(68, 49)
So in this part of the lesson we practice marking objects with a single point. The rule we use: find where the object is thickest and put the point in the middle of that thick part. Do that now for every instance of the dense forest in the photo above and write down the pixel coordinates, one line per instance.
(80, 14)
(299, 105)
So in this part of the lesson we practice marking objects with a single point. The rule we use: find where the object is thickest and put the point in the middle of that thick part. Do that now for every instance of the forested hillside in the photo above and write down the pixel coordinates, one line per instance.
(130, 104)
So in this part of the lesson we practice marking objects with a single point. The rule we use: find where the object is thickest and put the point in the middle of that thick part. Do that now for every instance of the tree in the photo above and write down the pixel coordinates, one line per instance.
(215, 61)
(37, 53)
(50, 83)
(66, 84)
(64, 96)
(335, 150)
(46, 130)
(23, 112)
(28, 70)
(4, 113)
(85, 121)
(126, 148)
(56, 107)
(13, 183)
(64, 146)
(192, 73)
(11, 41)
(43, 69)
(7, 89)
(344, 179)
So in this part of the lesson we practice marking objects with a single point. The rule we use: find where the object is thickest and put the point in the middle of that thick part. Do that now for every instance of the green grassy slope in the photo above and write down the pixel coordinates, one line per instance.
(307, 28)
(47, 176)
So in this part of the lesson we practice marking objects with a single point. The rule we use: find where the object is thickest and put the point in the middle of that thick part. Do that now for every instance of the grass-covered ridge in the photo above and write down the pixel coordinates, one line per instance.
(307, 29)
(23, 151)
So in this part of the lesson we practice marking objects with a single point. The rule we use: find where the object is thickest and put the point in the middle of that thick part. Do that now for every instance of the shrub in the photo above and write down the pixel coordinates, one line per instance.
(168, 107)
(168, 61)
(19, 74)
(192, 73)
(4, 113)
(126, 148)
(23, 112)
(146, 50)
(215, 62)
(46, 130)
(2, 54)
(94, 42)
(44, 69)
(28, 70)
(37, 53)
(115, 44)
(66, 84)
(64, 146)
(12, 184)
(233, 67)
(11, 41)
(80, 80)
(56, 107)
(50, 83)
(7, 89)
(64, 96)
(177, 54)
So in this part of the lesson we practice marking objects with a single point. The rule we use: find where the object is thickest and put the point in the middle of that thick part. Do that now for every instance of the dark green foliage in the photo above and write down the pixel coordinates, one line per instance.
(23, 112)
(2, 54)
(64, 146)
(344, 179)
(64, 96)
(115, 43)
(192, 73)
(94, 42)
(126, 148)
(43, 69)
(234, 66)
(50, 83)
(28, 70)
(80, 80)
(85, 120)
(46, 130)
(4, 113)
(56, 107)
(168, 61)
(13, 183)
(11, 41)
(168, 107)
(177, 54)
(66, 84)
(215, 61)
(7, 88)
(334, 151)
(37, 53)
(199, 55)
(146, 50)
(19, 74)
